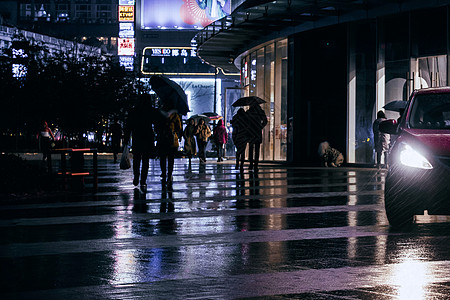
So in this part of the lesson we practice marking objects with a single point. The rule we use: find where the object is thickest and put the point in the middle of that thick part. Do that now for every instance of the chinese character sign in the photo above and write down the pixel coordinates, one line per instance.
(126, 47)
(126, 13)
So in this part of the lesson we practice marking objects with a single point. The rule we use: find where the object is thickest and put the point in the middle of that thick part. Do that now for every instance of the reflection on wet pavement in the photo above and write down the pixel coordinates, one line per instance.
(287, 233)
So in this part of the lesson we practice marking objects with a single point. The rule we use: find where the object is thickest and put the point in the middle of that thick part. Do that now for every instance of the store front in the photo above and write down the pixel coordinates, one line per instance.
(264, 74)
(325, 80)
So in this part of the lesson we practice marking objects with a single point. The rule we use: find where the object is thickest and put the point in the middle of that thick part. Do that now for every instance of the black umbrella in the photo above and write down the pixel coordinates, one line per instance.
(396, 105)
(248, 101)
(171, 94)
(198, 117)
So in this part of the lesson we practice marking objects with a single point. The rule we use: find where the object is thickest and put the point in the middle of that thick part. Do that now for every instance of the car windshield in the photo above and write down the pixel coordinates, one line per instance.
(431, 111)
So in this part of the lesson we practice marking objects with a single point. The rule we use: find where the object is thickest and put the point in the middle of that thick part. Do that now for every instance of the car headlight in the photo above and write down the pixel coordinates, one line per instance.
(411, 158)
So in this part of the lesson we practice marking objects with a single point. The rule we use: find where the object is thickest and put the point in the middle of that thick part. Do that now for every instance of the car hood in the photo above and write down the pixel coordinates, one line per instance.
(436, 141)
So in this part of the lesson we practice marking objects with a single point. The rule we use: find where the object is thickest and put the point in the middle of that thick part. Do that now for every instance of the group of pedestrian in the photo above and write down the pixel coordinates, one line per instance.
(247, 129)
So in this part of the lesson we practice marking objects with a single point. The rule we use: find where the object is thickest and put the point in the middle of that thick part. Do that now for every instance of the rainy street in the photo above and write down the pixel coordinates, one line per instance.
(283, 233)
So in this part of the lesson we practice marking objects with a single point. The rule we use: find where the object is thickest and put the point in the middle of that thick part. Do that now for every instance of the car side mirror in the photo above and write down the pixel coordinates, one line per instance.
(389, 126)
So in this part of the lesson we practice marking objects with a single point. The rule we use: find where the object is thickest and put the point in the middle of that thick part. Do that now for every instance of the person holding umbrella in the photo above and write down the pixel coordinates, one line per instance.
(169, 131)
(240, 136)
(253, 121)
(202, 133)
(173, 104)
(257, 120)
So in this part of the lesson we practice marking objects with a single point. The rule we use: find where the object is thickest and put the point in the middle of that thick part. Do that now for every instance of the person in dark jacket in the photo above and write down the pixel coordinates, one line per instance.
(240, 136)
(221, 138)
(169, 131)
(257, 120)
(381, 140)
(190, 148)
(139, 128)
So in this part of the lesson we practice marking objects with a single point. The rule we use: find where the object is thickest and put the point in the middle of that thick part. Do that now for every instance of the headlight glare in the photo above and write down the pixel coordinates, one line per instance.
(411, 158)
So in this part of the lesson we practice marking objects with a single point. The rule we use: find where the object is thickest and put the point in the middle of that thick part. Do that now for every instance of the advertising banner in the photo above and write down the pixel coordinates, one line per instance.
(126, 30)
(126, 13)
(127, 62)
(182, 14)
(126, 47)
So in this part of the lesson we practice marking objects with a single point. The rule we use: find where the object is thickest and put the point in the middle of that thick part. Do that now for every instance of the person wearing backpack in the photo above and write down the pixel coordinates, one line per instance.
(203, 133)
(169, 132)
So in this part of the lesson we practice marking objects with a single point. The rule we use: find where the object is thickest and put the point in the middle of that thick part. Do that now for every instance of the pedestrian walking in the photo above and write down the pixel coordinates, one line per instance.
(190, 147)
(202, 133)
(220, 138)
(116, 138)
(169, 131)
(257, 120)
(240, 136)
(381, 140)
(139, 128)
(45, 138)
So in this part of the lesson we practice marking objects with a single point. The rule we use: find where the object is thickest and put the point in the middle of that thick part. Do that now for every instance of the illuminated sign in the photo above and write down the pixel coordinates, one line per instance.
(126, 13)
(126, 47)
(126, 2)
(182, 14)
(127, 62)
(126, 30)
(174, 61)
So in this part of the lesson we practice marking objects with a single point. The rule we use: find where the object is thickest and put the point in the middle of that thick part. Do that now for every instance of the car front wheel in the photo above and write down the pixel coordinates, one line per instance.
(399, 211)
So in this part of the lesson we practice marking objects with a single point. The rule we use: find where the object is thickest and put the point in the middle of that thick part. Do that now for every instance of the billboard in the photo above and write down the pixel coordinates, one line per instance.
(182, 14)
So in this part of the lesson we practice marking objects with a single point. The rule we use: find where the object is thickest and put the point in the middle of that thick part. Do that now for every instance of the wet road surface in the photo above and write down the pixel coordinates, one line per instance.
(286, 233)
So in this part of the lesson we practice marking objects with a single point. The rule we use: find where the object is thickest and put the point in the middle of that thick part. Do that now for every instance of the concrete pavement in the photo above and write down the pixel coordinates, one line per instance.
(285, 233)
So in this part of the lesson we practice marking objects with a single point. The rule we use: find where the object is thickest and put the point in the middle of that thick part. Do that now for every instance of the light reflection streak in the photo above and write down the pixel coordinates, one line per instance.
(412, 276)
(125, 263)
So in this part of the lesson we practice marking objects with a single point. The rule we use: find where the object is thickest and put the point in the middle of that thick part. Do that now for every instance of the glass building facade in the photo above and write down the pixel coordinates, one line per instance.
(264, 74)
(328, 83)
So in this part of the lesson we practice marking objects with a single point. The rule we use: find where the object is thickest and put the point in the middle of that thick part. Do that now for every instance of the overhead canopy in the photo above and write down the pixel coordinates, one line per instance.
(257, 21)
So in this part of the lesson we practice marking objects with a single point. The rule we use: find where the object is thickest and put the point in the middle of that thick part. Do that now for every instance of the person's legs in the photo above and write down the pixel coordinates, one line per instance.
(199, 153)
(144, 169)
(202, 150)
(170, 162)
(379, 158)
(251, 149)
(136, 167)
(219, 151)
(162, 164)
(256, 160)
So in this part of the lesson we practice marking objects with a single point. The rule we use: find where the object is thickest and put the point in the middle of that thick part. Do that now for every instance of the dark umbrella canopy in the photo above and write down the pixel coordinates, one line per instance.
(198, 117)
(171, 94)
(248, 101)
(396, 105)
(213, 116)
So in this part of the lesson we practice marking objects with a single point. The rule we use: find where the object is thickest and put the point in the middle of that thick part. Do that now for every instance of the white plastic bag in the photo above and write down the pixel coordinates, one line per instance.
(125, 163)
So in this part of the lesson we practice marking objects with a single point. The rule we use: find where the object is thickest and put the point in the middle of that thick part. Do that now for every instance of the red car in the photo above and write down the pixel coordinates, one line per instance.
(418, 178)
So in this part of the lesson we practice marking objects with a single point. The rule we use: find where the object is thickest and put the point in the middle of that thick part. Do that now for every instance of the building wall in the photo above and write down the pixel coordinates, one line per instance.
(340, 76)
(320, 94)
